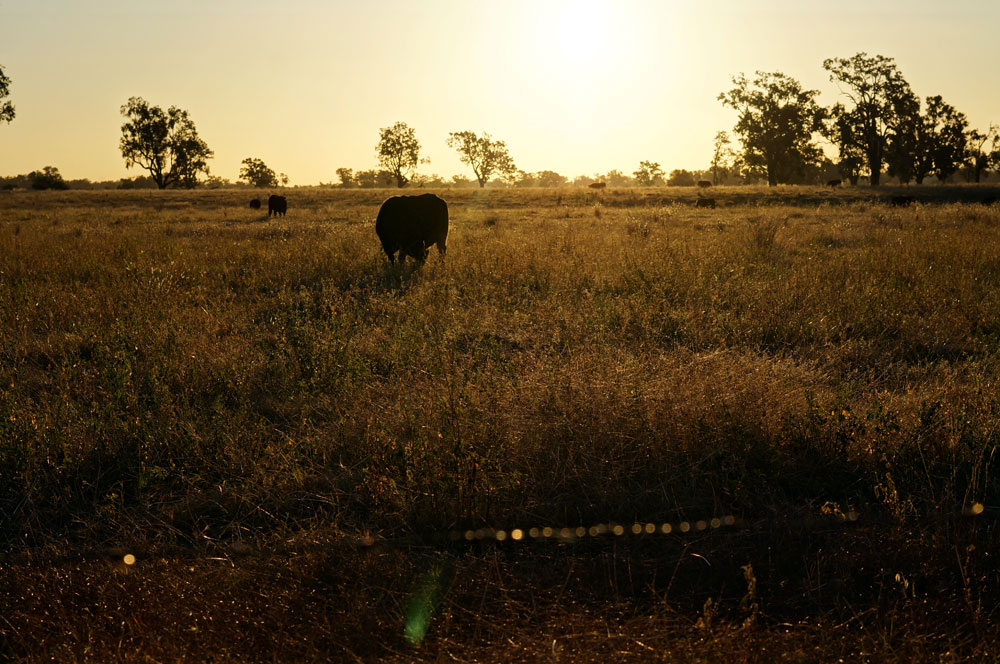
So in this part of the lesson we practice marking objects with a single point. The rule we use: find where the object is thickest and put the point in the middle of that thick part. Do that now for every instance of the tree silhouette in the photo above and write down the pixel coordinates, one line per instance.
(616, 178)
(777, 120)
(6, 108)
(257, 174)
(979, 159)
(932, 142)
(681, 178)
(908, 146)
(946, 126)
(47, 178)
(398, 151)
(648, 174)
(722, 156)
(346, 176)
(165, 143)
(485, 155)
(876, 88)
(843, 130)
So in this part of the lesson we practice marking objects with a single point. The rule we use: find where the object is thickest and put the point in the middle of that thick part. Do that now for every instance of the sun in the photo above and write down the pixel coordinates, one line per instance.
(582, 33)
(579, 34)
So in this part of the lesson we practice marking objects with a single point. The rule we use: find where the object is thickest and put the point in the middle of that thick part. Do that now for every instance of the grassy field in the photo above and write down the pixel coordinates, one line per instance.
(288, 433)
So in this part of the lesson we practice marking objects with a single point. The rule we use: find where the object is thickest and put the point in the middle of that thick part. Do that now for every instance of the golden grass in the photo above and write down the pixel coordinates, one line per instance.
(178, 370)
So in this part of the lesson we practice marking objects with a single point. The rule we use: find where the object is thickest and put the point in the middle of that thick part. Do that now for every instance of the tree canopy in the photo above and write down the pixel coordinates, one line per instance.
(485, 155)
(165, 143)
(983, 150)
(878, 94)
(257, 174)
(6, 108)
(648, 174)
(776, 123)
(398, 151)
(926, 143)
(722, 156)
(47, 178)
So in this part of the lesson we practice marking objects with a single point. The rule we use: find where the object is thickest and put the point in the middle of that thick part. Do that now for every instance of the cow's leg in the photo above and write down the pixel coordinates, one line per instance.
(390, 250)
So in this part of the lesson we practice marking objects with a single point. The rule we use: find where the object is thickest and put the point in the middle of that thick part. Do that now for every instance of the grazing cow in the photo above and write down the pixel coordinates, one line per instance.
(704, 184)
(255, 203)
(833, 183)
(276, 205)
(902, 201)
(411, 224)
(597, 185)
(705, 202)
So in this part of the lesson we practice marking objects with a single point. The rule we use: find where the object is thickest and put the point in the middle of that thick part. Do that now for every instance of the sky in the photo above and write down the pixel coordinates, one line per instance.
(578, 87)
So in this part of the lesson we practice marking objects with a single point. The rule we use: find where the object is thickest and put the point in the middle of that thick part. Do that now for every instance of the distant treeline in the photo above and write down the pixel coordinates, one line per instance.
(49, 178)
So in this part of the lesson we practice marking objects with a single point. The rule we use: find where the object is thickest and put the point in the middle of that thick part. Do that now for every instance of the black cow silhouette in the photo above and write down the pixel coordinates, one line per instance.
(276, 205)
(411, 224)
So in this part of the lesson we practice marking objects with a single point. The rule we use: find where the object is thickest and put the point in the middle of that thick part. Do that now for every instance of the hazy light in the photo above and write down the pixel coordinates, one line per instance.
(421, 606)
(129, 559)
(571, 85)
(517, 534)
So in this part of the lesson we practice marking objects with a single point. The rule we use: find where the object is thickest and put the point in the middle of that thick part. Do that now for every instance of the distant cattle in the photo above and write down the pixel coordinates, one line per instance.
(411, 224)
(705, 203)
(276, 205)
(704, 184)
(902, 201)
(833, 183)
(597, 185)
(255, 203)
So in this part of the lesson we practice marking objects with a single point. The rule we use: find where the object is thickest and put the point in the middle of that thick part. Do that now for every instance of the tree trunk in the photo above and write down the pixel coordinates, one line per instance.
(874, 166)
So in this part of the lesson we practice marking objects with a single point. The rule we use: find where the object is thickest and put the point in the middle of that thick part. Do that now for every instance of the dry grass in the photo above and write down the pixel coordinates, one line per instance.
(184, 378)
